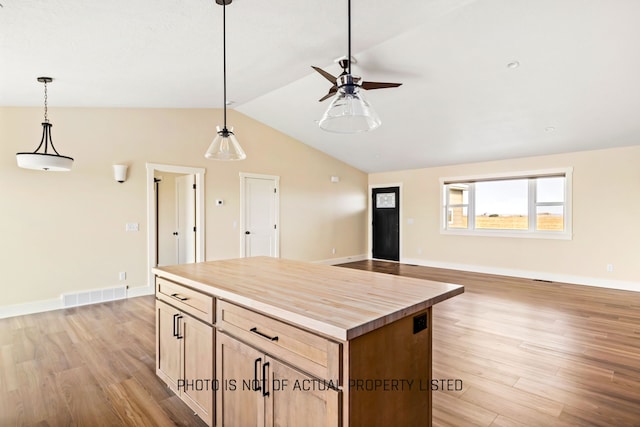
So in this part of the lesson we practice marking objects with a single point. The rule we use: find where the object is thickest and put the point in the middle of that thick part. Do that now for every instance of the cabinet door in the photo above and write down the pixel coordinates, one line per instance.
(239, 372)
(168, 354)
(296, 399)
(198, 374)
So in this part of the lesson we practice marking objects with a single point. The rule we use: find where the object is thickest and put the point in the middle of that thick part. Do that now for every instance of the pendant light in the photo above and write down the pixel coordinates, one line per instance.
(225, 145)
(349, 111)
(45, 161)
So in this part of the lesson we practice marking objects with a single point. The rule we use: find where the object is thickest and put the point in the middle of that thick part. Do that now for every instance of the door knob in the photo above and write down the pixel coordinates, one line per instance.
(175, 233)
(247, 232)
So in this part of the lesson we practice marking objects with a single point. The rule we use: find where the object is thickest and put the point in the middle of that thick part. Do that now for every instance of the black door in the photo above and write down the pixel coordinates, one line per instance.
(386, 223)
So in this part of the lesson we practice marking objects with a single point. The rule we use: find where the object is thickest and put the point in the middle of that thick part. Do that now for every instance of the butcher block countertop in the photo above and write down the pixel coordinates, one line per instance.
(337, 302)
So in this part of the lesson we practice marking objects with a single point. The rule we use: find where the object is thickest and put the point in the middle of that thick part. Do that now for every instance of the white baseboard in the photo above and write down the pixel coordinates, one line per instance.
(57, 303)
(342, 260)
(30, 307)
(140, 291)
(533, 275)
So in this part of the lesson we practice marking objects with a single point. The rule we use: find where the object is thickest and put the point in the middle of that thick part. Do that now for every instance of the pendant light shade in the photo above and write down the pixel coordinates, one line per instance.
(349, 112)
(44, 160)
(225, 145)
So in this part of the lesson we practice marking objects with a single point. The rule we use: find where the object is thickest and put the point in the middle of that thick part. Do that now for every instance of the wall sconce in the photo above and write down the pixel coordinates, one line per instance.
(120, 173)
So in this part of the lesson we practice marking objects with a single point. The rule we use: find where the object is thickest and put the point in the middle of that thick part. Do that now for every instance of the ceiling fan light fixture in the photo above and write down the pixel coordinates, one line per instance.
(349, 112)
(225, 146)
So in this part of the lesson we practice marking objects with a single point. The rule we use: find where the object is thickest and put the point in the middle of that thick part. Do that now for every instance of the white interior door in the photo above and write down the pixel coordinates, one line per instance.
(185, 219)
(260, 215)
(156, 211)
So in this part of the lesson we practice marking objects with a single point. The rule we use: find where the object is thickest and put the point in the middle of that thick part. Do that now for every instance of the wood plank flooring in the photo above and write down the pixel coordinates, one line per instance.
(532, 353)
(86, 366)
(528, 354)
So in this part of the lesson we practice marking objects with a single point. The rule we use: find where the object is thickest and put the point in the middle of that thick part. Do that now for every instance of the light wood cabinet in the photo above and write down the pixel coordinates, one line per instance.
(259, 390)
(169, 347)
(185, 358)
(297, 399)
(297, 344)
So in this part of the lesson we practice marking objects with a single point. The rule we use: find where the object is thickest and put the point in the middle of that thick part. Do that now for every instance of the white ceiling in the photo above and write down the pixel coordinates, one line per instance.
(576, 87)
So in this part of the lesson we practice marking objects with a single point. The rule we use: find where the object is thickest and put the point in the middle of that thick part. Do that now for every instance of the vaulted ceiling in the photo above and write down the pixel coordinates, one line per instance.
(463, 99)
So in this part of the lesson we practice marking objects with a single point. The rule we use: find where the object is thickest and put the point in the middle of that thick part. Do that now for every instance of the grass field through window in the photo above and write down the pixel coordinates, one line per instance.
(545, 222)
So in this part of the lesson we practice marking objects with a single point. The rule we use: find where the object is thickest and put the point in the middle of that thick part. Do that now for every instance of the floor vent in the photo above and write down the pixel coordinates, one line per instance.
(94, 296)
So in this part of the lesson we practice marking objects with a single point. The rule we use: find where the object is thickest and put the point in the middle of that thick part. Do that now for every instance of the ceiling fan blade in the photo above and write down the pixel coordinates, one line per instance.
(332, 92)
(325, 74)
(378, 85)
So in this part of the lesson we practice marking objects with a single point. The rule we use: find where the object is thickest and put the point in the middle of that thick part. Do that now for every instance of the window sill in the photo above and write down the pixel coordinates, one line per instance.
(565, 235)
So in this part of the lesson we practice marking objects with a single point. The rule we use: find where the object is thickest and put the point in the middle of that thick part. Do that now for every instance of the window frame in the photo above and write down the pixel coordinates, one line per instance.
(532, 204)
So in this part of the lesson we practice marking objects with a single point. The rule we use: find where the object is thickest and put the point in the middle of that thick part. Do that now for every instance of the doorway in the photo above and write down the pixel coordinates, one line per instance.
(259, 215)
(164, 208)
(385, 223)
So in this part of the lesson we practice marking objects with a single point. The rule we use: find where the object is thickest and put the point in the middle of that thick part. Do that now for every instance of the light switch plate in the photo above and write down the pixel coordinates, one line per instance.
(132, 226)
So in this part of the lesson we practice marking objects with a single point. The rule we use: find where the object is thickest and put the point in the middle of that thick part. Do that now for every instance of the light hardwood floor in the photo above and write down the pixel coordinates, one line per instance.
(528, 354)
(86, 366)
(532, 353)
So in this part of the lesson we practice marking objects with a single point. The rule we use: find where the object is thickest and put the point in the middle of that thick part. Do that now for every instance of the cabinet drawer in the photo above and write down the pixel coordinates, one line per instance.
(309, 352)
(195, 303)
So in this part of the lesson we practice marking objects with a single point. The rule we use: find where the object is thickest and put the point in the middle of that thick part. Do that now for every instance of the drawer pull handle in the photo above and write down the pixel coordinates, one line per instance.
(256, 331)
(179, 297)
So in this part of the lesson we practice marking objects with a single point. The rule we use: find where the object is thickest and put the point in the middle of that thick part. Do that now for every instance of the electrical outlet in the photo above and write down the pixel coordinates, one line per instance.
(610, 268)
(122, 275)
(419, 323)
(333, 251)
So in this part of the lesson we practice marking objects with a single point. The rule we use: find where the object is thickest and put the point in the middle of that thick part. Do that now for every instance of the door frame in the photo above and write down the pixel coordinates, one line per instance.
(370, 218)
(276, 179)
(152, 168)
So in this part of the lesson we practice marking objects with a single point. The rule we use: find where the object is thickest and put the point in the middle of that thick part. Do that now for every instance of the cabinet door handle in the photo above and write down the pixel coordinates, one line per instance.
(256, 381)
(256, 331)
(179, 297)
(264, 379)
(178, 328)
(175, 328)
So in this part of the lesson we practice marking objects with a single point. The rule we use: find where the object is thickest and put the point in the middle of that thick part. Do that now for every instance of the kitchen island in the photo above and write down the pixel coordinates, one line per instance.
(266, 341)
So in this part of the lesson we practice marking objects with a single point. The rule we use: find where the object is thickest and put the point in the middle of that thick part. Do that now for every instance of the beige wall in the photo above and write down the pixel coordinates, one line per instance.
(606, 221)
(65, 232)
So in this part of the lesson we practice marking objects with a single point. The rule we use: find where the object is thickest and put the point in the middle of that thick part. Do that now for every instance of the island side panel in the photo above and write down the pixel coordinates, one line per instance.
(389, 375)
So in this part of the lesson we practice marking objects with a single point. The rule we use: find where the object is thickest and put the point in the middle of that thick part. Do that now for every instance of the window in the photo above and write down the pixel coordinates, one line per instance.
(525, 204)
(385, 200)
(458, 206)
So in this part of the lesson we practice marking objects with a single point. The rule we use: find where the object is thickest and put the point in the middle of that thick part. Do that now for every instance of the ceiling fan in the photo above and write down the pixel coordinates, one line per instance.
(342, 80)
(349, 112)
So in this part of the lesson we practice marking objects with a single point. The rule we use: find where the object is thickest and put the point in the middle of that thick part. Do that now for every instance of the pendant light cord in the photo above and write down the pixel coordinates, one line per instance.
(349, 34)
(46, 117)
(224, 61)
